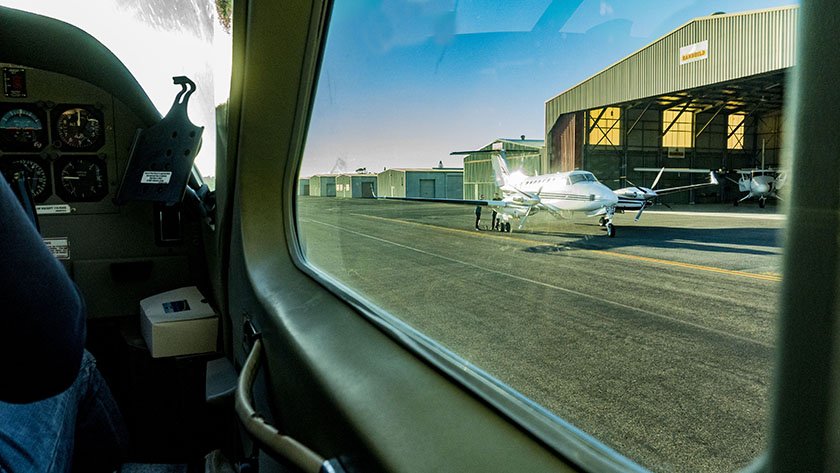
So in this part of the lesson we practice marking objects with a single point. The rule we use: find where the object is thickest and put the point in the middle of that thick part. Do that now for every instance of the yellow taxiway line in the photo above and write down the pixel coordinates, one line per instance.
(698, 267)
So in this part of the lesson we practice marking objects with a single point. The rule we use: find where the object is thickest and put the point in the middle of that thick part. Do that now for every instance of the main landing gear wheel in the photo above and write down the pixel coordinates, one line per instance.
(610, 230)
(762, 203)
(602, 221)
(507, 227)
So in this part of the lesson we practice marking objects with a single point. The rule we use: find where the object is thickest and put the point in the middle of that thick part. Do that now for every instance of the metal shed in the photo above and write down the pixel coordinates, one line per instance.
(520, 154)
(303, 186)
(322, 185)
(441, 183)
(355, 186)
(707, 95)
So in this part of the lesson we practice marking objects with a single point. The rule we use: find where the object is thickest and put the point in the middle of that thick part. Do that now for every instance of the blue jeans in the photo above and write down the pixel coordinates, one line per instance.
(80, 428)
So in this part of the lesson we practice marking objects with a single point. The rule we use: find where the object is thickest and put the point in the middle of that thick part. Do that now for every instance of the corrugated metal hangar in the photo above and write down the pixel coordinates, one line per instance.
(708, 95)
(322, 185)
(398, 182)
(303, 186)
(439, 183)
(520, 154)
(356, 186)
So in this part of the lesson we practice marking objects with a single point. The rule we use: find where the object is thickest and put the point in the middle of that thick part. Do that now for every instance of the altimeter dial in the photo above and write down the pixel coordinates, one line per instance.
(80, 128)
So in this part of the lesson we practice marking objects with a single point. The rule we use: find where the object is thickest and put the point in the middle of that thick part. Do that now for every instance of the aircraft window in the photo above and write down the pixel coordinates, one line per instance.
(587, 176)
(575, 178)
(637, 340)
(605, 126)
(735, 130)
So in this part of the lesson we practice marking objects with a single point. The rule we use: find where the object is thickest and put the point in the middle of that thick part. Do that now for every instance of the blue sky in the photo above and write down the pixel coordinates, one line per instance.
(405, 82)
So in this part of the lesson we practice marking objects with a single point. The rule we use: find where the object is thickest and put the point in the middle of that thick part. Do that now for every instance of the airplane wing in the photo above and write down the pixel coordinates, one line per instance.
(759, 170)
(487, 203)
(712, 182)
(676, 170)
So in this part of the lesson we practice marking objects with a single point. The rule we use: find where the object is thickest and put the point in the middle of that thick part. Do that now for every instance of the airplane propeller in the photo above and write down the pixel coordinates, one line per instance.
(535, 197)
(658, 176)
(525, 218)
(649, 193)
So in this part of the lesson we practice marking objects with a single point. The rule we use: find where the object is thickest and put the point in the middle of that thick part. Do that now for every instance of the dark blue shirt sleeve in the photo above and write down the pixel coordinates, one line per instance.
(42, 314)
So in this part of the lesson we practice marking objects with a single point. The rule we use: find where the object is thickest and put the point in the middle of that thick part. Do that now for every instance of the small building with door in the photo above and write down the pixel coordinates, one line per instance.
(356, 186)
(439, 183)
(303, 186)
(322, 185)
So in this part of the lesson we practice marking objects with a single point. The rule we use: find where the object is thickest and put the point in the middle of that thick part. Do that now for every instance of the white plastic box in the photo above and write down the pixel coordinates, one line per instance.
(178, 322)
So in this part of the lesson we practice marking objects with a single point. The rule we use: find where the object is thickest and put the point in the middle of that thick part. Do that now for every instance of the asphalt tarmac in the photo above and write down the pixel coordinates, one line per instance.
(658, 342)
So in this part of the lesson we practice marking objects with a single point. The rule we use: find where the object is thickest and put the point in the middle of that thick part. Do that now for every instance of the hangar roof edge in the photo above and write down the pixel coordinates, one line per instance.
(678, 34)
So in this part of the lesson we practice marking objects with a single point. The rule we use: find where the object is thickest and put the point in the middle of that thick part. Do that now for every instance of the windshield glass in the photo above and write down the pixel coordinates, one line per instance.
(178, 38)
(646, 322)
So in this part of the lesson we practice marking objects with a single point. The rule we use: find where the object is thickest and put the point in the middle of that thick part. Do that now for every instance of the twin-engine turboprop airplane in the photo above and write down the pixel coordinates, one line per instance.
(560, 193)
(573, 191)
(639, 198)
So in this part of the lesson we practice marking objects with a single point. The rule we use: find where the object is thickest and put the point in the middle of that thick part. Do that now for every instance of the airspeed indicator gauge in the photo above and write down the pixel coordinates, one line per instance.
(81, 179)
(35, 173)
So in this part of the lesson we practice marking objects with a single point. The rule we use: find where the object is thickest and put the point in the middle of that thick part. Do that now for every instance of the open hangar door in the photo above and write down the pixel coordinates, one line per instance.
(726, 126)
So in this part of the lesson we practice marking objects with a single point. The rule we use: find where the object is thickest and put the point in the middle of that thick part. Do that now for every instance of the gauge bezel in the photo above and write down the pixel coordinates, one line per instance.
(9, 144)
(8, 164)
(89, 194)
(60, 143)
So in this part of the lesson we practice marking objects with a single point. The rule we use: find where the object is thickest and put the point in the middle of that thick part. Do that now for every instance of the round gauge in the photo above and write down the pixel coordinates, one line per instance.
(21, 129)
(81, 179)
(79, 128)
(35, 174)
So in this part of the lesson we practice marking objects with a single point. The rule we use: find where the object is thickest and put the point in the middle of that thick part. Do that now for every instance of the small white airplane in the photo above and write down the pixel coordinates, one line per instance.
(559, 194)
(639, 198)
(759, 184)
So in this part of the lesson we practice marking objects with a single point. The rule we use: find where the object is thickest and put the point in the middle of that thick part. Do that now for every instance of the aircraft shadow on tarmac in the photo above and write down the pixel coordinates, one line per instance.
(717, 240)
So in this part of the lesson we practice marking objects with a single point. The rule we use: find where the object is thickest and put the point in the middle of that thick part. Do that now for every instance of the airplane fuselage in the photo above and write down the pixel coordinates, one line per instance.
(760, 186)
(576, 191)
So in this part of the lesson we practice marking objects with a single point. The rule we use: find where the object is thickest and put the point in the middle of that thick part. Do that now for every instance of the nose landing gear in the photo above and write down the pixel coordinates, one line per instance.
(606, 221)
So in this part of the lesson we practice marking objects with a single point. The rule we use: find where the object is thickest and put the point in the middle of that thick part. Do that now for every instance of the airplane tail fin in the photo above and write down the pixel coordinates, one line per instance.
(500, 169)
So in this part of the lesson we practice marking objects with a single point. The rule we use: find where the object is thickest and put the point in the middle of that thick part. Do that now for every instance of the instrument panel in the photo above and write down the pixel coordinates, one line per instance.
(59, 134)
(44, 141)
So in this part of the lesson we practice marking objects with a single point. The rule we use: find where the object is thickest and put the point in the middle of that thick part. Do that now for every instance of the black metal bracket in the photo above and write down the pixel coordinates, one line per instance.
(162, 156)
